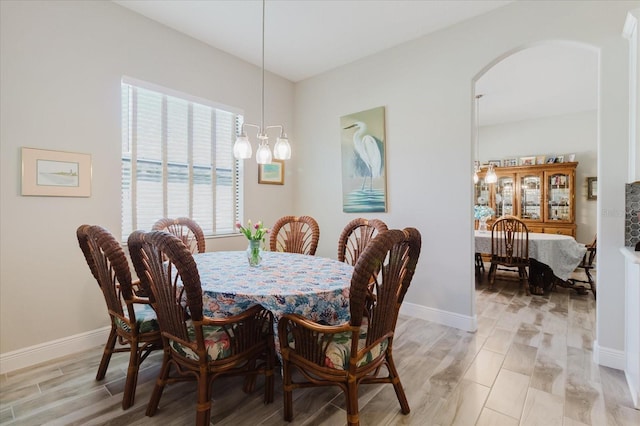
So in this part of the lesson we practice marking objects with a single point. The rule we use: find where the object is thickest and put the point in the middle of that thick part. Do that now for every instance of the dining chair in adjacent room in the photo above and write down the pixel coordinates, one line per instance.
(355, 352)
(587, 264)
(188, 230)
(509, 248)
(295, 234)
(355, 237)
(196, 346)
(133, 321)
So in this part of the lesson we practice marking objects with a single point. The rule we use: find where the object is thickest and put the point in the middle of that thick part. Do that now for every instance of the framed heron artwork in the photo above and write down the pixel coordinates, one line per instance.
(364, 182)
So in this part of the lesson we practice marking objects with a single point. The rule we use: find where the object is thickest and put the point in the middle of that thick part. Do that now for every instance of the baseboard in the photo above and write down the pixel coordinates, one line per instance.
(27, 357)
(451, 319)
(608, 357)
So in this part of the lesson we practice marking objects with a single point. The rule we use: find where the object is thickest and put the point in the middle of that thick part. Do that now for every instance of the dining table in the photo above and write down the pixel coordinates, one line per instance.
(313, 286)
(562, 253)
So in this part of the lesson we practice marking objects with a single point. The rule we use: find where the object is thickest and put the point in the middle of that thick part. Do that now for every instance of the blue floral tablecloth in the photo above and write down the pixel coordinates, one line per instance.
(315, 287)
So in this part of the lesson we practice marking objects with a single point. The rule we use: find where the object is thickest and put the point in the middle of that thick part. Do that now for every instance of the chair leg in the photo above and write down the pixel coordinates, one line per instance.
(522, 271)
(106, 355)
(397, 386)
(287, 391)
(161, 381)
(268, 376)
(353, 416)
(203, 410)
(492, 275)
(132, 376)
(591, 282)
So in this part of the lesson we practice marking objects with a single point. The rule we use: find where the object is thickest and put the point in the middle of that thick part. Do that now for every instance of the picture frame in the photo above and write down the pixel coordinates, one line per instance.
(363, 148)
(551, 160)
(47, 173)
(272, 173)
(540, 159)
(560, 159)
(527, 161)
(509, 162)
(592, 188)
(496, 163)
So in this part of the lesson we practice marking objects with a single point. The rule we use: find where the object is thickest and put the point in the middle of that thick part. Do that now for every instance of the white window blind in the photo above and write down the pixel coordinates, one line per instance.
(177, 160)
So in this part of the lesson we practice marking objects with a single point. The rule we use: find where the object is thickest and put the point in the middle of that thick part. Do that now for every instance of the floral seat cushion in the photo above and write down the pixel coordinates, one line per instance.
(216, 341)
(339, 350)
(145, 317)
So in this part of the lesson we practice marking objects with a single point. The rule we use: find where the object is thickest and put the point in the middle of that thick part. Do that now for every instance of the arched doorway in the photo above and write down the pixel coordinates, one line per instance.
(539, 101)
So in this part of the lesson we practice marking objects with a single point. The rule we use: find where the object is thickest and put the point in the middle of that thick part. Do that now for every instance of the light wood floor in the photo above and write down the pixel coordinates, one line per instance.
(529, 363)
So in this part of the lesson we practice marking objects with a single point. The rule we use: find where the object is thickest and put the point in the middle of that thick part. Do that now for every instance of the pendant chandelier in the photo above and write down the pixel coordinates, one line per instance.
(491, 176)
(242, 146)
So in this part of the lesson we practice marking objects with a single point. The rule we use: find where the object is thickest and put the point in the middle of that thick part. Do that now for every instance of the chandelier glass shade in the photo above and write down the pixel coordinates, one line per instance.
(242, 146)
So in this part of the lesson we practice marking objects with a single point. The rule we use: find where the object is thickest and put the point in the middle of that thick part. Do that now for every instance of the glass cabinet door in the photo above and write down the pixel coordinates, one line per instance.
(505, 193)
(531, 197)
(559, 196)
(482, 192)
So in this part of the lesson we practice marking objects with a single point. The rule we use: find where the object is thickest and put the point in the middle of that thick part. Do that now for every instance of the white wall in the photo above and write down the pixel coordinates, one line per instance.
(60, 76)
(427, 88)
(551, 136)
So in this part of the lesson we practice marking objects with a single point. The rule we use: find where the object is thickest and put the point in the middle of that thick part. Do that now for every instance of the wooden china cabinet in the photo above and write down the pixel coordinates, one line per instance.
(543, 196)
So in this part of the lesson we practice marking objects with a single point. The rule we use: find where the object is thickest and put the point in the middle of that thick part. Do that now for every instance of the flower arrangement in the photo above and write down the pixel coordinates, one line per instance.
(482, 211)
(255, 232)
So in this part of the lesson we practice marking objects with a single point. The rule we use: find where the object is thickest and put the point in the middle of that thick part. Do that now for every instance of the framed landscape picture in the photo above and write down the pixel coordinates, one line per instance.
(271, 174)
(55, 173)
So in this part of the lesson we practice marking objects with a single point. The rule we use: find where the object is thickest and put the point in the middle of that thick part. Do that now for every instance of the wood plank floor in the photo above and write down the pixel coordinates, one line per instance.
(530, 363)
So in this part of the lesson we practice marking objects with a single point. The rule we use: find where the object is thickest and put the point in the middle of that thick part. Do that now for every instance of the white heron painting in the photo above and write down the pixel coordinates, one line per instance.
(363, 161)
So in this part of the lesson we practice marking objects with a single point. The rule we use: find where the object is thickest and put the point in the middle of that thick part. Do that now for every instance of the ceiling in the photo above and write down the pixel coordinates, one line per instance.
(304, 38)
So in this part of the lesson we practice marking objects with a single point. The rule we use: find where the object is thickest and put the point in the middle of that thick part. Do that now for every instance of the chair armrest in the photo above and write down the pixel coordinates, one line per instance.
(308, 339)
(255, 311)
(141, 300)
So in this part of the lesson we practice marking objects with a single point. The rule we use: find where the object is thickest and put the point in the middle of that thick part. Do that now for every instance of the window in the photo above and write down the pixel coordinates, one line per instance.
(177, 160)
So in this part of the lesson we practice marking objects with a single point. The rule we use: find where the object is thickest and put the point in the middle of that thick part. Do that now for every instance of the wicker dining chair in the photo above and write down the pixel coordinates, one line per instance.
(295, 234)
(188, 230)
(354, 353)
(355, 237)
(133, 321)
(510, 248)
(196, 346)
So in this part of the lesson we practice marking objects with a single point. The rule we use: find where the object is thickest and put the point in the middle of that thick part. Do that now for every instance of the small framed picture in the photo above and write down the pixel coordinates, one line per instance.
(55, 173)
(560, 159)
(571, 158)
(540, 159)
(509, 162)
(271, 174)
(551, 160)
(495, 163)
(527, 161)
(592, 188)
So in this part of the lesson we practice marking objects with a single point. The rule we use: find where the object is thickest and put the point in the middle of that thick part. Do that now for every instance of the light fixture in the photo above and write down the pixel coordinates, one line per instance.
(491, 176)
(242, 146)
